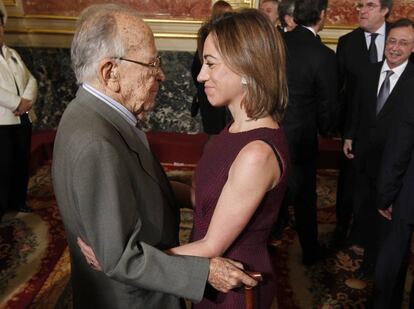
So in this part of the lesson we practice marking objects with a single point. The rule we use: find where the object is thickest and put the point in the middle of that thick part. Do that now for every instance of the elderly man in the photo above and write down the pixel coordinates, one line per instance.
(355, 52)
(269, 7)
(110, 189)
(311, 72)
(380, 89)
(18, 92)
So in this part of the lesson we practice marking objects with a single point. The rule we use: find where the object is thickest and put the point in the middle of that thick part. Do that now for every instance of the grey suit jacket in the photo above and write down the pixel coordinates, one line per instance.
(112, 193)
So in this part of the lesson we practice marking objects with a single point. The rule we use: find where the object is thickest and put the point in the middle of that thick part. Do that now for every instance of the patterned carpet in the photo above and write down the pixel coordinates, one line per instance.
(34, 261)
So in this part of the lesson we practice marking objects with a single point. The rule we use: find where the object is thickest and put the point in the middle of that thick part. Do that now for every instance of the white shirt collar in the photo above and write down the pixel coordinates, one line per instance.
(380, 31)
(122, 110)
(397, 70)
(310, 29)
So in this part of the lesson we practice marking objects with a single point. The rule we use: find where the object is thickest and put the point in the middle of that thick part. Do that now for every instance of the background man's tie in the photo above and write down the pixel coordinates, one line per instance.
(372, 50)
(384, 91)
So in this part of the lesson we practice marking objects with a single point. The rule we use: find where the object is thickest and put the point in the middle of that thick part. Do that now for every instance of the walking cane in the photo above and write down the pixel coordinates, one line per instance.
(248, 290)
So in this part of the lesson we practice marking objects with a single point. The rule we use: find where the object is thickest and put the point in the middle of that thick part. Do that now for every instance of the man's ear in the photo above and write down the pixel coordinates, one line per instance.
(322, 14)
(108, 72)
(384, 11)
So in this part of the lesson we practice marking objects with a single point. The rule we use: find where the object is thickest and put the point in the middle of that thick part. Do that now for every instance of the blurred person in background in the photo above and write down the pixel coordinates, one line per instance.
(312, 75)
(214, 119)
(18, 92)
(285, 11)
(270, 8)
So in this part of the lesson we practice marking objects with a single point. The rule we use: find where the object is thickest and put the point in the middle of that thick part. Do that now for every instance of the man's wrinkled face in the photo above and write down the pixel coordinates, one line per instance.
(139, 83)
(399, 46)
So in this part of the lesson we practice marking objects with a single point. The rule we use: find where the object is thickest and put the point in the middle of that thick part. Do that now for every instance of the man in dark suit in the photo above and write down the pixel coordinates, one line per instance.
(355, 52)
(374, 110)
(311, 72)
(110, 189)
(396, 194)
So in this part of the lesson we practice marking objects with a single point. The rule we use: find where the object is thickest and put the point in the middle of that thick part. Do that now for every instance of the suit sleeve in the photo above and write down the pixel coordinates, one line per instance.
(30, 89)
(8, 98)
(112, 221)
(342, 84)
(326, 93)
(353, 111)
(398, 152)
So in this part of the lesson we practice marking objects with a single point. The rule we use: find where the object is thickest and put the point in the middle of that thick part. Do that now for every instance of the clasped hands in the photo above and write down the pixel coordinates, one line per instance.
(24, 106)
(224, 274)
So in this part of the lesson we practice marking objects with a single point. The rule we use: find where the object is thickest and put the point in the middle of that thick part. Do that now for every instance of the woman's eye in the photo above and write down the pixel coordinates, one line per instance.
(209, 64)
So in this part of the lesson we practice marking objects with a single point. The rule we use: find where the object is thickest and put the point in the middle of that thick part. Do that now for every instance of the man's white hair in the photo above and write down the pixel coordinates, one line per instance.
(97, 37)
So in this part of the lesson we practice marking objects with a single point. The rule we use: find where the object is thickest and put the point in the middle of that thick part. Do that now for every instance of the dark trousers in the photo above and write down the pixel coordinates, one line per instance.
(368, 224)
(303, 192)
(391, 268)
(345, 194)
(14, 164)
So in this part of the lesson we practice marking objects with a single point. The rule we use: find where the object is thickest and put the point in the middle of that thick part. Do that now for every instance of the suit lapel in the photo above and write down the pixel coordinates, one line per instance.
(372, 89)
(406, 75)
(361, 44)
(127, 132)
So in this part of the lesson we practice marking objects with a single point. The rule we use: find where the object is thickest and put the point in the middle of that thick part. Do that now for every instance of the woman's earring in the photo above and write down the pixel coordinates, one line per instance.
(243, 81)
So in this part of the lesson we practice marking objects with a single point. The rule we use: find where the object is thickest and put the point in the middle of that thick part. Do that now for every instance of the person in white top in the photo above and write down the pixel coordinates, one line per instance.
(18, 92)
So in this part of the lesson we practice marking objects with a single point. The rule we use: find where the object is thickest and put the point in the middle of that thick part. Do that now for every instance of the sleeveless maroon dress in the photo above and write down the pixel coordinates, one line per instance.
(250, 247)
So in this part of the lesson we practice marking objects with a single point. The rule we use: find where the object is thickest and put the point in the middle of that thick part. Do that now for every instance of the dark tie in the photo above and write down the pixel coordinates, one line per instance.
(372, 50)
(384, 91)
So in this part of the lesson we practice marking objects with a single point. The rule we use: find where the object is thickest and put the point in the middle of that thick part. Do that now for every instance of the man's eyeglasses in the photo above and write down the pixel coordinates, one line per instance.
(155, 64)
(369, 6)
(401, 43)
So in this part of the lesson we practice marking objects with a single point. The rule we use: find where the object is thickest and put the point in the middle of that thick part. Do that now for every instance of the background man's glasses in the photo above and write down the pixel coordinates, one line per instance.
(401, 43)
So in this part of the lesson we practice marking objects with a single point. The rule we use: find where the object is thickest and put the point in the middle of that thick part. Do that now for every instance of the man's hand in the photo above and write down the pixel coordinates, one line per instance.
(386, 213)
(226, 274)
(24, 106)
(89, 255)
(347, 149)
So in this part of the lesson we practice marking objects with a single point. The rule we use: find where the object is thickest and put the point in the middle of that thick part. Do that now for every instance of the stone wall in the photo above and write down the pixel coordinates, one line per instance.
(57, 87)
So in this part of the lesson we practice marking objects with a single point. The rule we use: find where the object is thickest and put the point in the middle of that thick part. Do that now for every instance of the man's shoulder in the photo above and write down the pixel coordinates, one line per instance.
(350, 37)
(81, 121)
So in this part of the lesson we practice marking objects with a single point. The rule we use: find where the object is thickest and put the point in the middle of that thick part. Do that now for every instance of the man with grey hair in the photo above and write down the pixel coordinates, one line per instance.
(285, 11)
(111, 191)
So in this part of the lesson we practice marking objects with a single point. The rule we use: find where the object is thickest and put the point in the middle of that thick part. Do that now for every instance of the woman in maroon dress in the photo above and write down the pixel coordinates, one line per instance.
(240, 180)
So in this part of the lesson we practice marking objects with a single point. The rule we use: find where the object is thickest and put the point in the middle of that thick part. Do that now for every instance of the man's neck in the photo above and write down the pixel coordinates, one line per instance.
(374, 29)
(312, 29)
